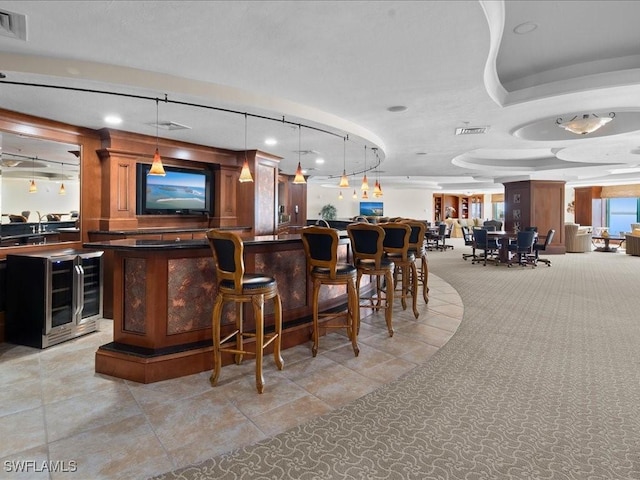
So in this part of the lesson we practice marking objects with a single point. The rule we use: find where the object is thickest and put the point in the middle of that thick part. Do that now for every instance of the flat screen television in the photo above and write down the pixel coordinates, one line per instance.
(182, 191)
(371, 209)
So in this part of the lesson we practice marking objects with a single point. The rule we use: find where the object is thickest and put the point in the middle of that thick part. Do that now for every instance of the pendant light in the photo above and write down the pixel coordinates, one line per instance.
(355, 195)
(340, 197)
(156, 167)
(32, 184)
(299, 178)
(365, 183)
(62, 190)
(245, 173)
(344, 180)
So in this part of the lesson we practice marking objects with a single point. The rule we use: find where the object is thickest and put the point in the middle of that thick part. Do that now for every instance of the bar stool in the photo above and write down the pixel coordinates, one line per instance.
(234, 285)
(321, 250)
(369, 259)
(416, 246)
(396, 247)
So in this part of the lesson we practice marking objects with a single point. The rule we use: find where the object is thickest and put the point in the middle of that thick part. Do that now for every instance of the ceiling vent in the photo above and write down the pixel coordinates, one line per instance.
(471, 130)
(13, 25)
(306, 152)
(170, 126)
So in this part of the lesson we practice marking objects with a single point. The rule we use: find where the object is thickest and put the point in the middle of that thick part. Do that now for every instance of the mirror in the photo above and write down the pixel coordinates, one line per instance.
(39, 190)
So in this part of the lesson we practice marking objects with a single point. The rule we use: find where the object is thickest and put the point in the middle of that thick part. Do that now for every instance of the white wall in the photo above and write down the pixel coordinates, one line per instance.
(398, 202)
(16, 197)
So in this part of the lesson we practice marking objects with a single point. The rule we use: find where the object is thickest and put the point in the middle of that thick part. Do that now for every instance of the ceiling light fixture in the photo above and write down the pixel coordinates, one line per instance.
(365, 183)
(344, 180)
(585, 124)
(340, 197)
(156, 167)
(32, 184)
(355, 195)
(62, 190)
(245, 173)
(299, 178)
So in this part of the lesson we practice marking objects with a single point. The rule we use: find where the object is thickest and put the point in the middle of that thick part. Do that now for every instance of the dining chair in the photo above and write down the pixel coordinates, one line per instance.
(541, 247)
(321, 251)
(417, 247)
(482, 242)
(522, 250)
(237, 286)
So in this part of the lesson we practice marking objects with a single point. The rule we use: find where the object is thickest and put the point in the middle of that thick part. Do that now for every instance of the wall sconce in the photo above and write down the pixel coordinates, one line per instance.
(156, 167)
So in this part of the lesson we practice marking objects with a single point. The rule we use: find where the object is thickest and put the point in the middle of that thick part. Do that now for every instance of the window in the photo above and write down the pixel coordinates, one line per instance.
(621, 213)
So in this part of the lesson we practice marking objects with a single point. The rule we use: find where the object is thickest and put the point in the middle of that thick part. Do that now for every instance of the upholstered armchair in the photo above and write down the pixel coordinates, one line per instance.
(577, 238)
(632, 242)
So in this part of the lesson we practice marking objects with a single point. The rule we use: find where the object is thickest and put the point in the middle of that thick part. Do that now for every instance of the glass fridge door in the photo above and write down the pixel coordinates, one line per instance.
(61, 308)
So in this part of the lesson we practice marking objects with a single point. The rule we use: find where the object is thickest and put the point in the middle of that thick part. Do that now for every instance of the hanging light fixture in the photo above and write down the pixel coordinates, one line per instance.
(344, 180)
(585, 124)
(355, 195)
(245, 173)
(365, 183)
(365, 195)
(299, 178)
(32, 184)
(156, 167)
(62, 190)
(377, 189)
(340, 197)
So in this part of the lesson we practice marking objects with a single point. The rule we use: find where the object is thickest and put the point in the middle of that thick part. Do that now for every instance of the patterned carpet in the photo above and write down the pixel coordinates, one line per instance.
(541, 381)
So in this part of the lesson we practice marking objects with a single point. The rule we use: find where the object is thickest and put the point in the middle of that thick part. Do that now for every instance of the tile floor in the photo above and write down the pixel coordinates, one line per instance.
(55, 408)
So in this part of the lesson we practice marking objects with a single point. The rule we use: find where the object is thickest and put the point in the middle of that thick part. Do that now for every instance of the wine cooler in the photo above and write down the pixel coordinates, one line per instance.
(53, 296)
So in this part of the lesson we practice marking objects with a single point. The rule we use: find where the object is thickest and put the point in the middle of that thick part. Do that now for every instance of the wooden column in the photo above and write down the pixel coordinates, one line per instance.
(537, 203)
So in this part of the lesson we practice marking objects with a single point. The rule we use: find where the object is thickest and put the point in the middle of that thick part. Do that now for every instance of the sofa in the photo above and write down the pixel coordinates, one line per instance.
(632, 241)
(577, 238)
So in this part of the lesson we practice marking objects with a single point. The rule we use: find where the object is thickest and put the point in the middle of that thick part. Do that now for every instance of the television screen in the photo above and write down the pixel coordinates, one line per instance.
(180, 191)
(371, 209)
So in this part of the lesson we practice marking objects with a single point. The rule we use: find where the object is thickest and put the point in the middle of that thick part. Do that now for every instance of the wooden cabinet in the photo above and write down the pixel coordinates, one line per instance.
(437, 208)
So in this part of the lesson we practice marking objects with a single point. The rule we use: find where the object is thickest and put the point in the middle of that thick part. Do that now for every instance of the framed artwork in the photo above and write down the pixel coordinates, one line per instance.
(516, 214)
(516, 198)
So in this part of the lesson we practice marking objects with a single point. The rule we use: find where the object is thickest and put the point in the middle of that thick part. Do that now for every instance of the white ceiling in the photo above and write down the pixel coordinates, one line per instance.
(339, 66)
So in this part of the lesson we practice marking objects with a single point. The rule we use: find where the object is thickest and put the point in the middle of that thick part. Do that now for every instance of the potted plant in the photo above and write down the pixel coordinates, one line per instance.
(328, 212)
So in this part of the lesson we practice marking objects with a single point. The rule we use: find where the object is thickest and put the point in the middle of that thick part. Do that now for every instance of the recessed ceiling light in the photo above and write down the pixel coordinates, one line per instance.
(397, 108)
(112, 120)
(319, 160)
(270, 141)
(524, 28)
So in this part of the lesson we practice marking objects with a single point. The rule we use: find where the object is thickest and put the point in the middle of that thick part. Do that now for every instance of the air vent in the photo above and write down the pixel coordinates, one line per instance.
(13, 25)
(170, 126)
(471, 130)
(306, 152)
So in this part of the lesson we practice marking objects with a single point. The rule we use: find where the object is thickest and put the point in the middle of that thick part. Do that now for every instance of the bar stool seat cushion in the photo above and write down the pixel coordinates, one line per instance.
(342, 269)
(411, 256)
(251, 282)
(385, 262)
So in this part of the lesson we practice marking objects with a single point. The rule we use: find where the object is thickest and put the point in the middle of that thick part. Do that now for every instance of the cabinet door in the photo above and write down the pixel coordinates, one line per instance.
(61, 293)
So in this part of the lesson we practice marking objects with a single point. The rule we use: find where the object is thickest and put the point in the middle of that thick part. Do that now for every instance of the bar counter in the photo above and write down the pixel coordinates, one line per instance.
(163, 294)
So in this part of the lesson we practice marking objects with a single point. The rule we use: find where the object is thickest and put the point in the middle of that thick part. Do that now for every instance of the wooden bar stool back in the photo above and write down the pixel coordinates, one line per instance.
(321, 251)
(367, 246)
(417, 247)
(234, 285)
(396, 247)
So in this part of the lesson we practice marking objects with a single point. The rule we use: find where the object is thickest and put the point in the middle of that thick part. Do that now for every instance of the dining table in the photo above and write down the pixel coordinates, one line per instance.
(503, 238)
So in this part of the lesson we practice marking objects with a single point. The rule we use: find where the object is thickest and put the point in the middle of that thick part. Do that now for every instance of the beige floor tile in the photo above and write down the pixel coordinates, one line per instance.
(22, 431)
(150, 395)
(19, 369)
(338, 386)
(443, 322)
(209, 441)
(184, 421)
(26, 465)
(85, 412)
(75, 383)
(290, 414)
(397, 345)
(427, 334)
(124, 449)
(20, 396)
(278, 391)
(454, 311)
(420, 355)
